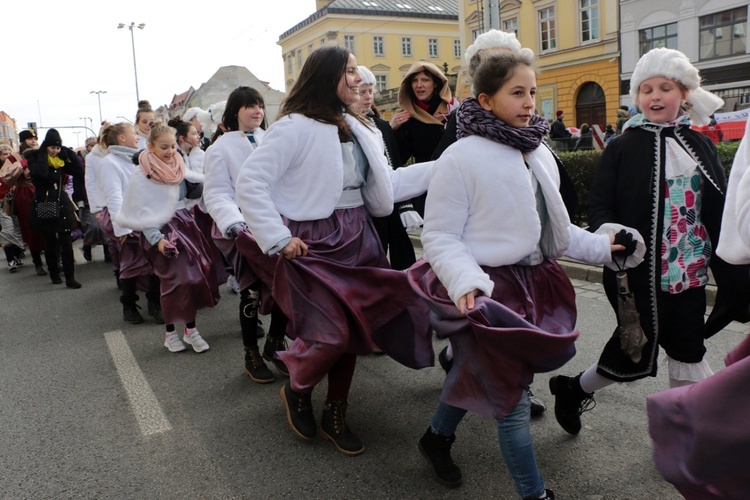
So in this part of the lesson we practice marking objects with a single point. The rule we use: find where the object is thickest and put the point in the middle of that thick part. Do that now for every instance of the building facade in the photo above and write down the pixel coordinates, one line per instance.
(8, 131)
(386, 36)
(712, 33)
(577, 46)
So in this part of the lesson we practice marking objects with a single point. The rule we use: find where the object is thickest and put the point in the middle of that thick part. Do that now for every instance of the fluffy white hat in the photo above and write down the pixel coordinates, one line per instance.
(190, 114)
(492, 39)
(675, 65)
(367, 77)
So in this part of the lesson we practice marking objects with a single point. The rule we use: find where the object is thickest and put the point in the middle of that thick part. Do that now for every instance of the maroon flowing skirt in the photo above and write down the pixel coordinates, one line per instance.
(206, 224)
(113, 245)
(701, 434)
(342, 294)
(525, 327)
(187, 280)
(243, 273)
(132, 259)
(33, 239)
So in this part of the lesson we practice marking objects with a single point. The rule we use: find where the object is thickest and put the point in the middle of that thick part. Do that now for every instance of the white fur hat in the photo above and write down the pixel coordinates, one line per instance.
(190, 114)
(493, 39)
(367, 77)
(675, 65)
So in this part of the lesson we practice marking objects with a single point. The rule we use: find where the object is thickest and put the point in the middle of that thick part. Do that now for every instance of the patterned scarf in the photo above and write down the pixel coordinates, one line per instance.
(639, 121)
(473, 119)
(159, 172)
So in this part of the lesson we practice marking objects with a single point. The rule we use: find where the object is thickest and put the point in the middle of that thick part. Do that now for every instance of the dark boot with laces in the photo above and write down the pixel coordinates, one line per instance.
(299, 412)
(570, 402)
(436, 448)
(270, 348)
(255, 368)
(333, 428)
(130, 311)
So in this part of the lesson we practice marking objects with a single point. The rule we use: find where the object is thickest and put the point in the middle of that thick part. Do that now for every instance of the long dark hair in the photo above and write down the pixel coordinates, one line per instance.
(242, 97)
(314, 93)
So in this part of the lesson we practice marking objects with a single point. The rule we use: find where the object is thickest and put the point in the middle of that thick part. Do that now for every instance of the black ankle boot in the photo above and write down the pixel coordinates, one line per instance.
(40, 270)
(299, 412)
(570, 402)
(130, 310)
(54, 276)
(255, 368)
(445, 363)
(270, 348)
(436, 448)
(333, 428)
(548, 495)
(70, 281)
(87, 252)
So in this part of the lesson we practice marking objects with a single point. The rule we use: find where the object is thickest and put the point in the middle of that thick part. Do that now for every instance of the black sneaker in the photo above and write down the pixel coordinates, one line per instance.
(40, 270)
(537, 405)
(445, 363)
(270, 348)
(55, 278)
(570, 402)
(548, 495)
(333, 428)
(255, 368)
(130, 314)
(87, 252)
(12, 266)
(299, 412)
(437, 450)
(259, 331)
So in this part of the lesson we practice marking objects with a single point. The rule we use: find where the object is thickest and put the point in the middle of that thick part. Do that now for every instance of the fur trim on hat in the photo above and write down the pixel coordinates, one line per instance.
(675, 65)
(406, 94)
(367, 77)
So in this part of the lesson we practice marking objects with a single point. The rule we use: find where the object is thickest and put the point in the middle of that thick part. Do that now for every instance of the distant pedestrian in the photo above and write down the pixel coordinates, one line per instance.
(559, 134)
(143, 119)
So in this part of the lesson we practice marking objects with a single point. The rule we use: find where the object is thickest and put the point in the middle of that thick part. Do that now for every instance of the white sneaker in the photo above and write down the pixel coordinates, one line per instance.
(173, 343)
(194, 339)
(233, 285)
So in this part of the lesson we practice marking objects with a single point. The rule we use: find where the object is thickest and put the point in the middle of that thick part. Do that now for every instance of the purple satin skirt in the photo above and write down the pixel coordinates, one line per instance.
(243, 273)
(341, 297)
(701, 434)
(526, 327)
(206, 224)
(105, 223)
(187, 280)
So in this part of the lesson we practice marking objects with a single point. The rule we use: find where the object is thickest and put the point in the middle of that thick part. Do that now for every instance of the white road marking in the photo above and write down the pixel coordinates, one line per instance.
(146, 407)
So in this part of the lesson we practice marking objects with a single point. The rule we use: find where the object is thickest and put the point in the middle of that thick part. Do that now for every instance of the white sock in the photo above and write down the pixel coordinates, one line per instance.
(591, 381)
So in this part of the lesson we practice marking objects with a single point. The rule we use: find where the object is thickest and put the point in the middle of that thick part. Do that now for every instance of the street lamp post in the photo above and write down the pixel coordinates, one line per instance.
(132, 40)
(91, 120)
(99, 97)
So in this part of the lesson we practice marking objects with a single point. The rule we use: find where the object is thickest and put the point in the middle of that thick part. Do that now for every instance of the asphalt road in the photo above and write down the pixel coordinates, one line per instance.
(92, 407)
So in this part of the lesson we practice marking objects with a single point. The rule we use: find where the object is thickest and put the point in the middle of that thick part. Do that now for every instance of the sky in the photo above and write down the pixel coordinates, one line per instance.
(58, 51)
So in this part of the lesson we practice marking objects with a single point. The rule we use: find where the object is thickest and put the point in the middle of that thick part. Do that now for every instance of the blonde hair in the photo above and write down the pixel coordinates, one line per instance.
(158, 129)
(110, 134)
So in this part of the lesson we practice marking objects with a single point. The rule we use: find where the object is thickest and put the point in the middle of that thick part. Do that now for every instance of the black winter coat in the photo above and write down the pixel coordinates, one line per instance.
(48, 185)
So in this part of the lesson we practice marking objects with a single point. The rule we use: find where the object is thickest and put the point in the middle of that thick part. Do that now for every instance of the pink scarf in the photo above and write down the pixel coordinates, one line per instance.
(159, 172)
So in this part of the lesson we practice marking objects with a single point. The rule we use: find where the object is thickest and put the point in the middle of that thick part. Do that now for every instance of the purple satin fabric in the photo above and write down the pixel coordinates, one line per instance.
(206, 224)
(187, 281)
(526, 327)
(243, 273)
(341, 297)
(105, 223)
(701, 434)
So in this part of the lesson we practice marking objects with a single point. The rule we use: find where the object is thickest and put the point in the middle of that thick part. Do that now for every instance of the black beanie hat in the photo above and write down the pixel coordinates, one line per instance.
(27, 134)
(52, 139)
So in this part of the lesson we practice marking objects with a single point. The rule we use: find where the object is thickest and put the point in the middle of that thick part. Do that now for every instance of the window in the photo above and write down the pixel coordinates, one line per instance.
(589, 20)
(322, 41)
(349, 43)
(658, 36)
(723, 34)
(289, 67)
(299, 59)
(406, 46)
(457, 49)
(475, 34)
(377, 46)
(381, 83)
(432, 47)
(547, 29)
(511, 26)
(310, 49)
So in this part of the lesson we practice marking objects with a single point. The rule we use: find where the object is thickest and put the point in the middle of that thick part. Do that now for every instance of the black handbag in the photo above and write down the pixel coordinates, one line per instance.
(47, 210)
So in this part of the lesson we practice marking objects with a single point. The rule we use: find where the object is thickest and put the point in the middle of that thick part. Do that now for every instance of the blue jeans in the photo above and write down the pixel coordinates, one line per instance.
(514, 436)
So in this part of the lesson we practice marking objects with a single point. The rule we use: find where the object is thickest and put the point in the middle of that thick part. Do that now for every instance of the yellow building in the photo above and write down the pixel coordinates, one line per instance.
(577, 44)
(386, 36)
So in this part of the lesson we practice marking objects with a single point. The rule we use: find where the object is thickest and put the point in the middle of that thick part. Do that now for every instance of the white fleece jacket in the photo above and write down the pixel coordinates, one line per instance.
(734, 240)
(297, 171)
(93, 192)
(481, 210)
(223, 161)
(114, 174)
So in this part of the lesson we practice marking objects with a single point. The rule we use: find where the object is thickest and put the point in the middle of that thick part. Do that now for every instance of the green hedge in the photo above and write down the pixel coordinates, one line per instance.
(581, 166)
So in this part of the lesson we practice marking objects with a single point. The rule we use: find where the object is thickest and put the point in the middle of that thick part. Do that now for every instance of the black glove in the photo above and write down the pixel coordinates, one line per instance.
(625, 239)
